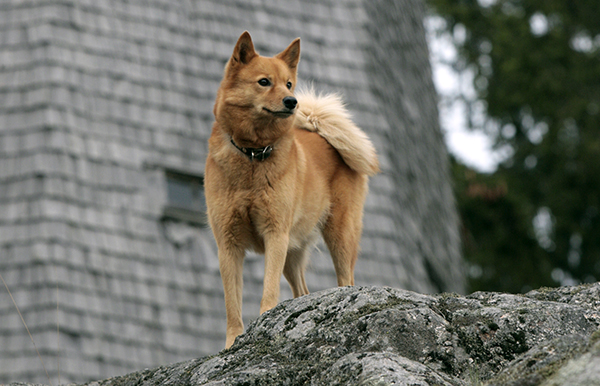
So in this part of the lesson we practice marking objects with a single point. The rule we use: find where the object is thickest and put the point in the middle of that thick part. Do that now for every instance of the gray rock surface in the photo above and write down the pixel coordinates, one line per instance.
(385, 336)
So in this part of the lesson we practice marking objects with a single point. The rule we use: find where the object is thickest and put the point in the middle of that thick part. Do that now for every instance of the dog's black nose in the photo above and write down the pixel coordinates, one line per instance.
(290, 102)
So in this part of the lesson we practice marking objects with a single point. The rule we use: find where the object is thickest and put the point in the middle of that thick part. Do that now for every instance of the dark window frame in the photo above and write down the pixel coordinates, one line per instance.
(192, 212)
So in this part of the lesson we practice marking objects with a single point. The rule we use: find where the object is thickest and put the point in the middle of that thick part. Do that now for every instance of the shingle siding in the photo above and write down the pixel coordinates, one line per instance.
(99, 98)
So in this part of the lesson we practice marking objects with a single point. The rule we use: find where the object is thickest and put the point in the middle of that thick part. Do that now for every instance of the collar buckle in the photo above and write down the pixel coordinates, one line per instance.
(255, 153)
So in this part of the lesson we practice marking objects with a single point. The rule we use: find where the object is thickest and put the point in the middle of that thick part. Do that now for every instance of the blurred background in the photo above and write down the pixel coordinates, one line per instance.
(520, 102)
(106, 107)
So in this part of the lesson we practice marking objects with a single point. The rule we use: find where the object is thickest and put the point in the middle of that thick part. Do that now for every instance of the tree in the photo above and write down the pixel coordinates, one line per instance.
(536, 66)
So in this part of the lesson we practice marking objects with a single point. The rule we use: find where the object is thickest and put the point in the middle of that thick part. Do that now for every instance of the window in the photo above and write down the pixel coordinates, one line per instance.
(185, 195)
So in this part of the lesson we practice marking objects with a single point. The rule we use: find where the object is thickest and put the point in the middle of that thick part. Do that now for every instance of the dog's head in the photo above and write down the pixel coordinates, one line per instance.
(260, 88)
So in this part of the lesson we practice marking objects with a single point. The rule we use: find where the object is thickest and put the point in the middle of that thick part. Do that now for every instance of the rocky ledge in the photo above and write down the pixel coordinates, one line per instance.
(385, 336)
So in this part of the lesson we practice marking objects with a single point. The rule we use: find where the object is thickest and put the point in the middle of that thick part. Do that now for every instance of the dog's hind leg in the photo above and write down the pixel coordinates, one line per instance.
(231, 266)
(343, 243)
(343, 228)
(295, 264)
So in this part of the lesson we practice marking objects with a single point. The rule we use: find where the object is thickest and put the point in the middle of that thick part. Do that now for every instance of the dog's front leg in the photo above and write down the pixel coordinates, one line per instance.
(231, 262)
(276, 245)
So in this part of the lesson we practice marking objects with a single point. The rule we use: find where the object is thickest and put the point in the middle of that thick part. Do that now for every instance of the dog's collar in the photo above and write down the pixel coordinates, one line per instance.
(255, 153)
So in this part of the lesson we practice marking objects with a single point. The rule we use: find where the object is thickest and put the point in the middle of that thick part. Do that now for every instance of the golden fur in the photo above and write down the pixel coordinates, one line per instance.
(326, 115)
(314, 182)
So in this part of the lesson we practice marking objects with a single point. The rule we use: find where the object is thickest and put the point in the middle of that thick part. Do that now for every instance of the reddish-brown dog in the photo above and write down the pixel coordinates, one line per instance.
(280, 170)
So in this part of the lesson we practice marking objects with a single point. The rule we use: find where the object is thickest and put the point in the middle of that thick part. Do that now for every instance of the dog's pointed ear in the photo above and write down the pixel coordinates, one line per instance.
(244, 49)
(291, 55)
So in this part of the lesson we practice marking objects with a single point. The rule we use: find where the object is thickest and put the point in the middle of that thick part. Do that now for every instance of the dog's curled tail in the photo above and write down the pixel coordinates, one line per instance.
(327, 116)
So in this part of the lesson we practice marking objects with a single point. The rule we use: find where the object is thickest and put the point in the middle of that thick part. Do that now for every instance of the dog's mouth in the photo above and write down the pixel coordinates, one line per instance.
(279, 113)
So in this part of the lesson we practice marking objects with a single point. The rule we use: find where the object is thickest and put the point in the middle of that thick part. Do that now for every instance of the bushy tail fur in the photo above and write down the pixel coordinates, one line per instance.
(327, 115)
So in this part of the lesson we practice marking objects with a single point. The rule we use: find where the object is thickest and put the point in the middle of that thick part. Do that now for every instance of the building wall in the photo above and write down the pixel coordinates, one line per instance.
(98, 99)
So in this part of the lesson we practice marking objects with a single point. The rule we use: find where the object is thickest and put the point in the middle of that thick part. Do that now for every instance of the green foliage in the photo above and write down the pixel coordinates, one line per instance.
(537, 69)
(498, 241)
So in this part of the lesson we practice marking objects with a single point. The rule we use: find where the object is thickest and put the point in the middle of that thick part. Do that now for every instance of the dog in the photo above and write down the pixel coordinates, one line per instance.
(281, 169)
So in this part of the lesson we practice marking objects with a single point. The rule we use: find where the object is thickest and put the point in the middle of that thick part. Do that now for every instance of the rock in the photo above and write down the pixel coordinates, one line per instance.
(384, 336)
(543, 361)
(581, 371)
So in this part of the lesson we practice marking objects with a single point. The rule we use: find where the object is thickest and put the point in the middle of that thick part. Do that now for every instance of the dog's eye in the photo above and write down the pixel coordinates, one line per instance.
(264, 82)
(289, 85)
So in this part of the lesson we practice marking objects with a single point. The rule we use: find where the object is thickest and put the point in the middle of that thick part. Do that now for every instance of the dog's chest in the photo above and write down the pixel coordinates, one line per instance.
(302, 222)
